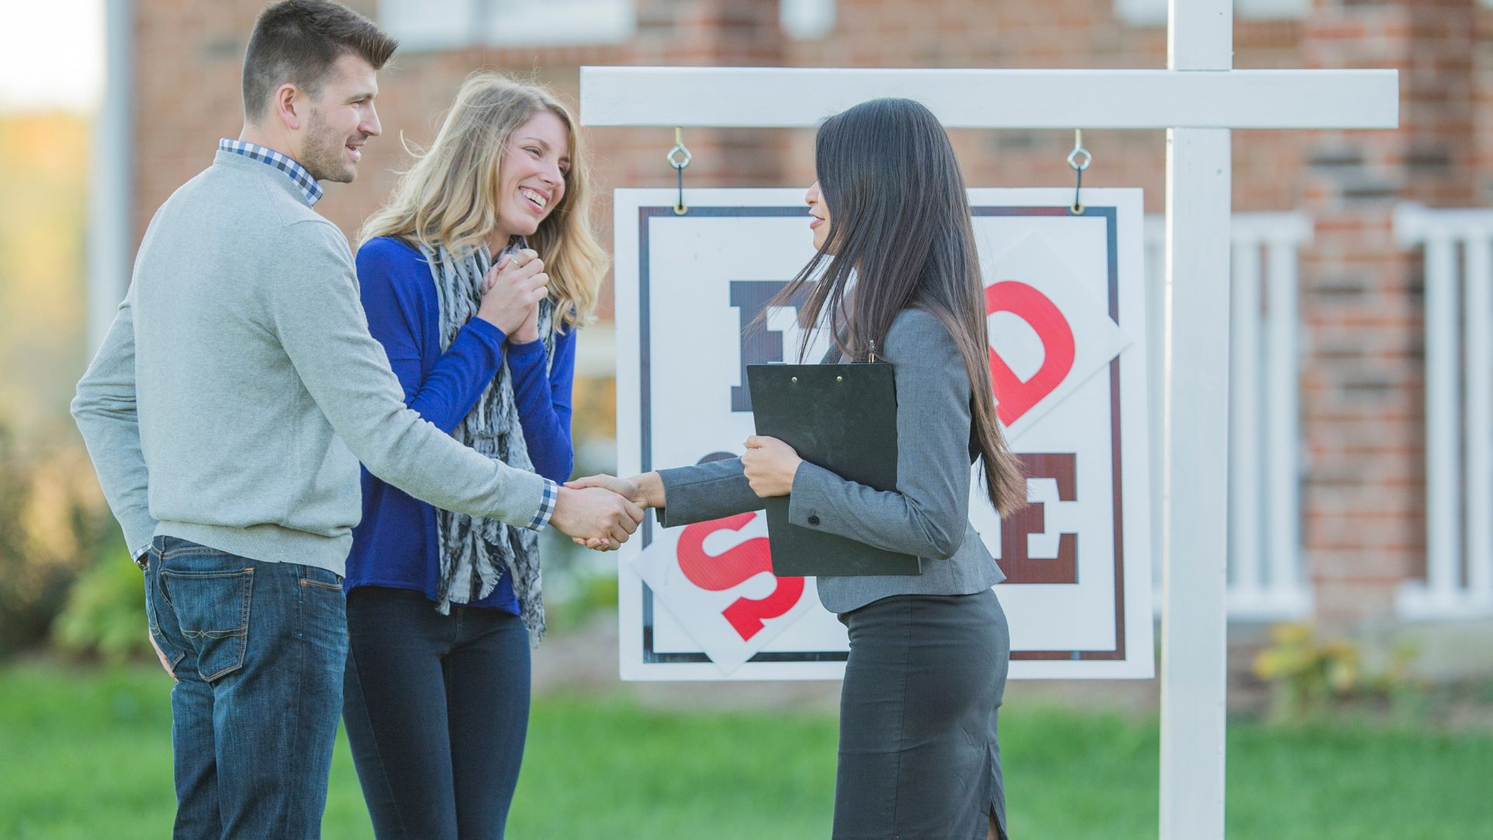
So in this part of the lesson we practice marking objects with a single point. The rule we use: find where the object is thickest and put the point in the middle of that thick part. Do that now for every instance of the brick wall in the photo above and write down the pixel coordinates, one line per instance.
(1362, 295)
(1362, 378)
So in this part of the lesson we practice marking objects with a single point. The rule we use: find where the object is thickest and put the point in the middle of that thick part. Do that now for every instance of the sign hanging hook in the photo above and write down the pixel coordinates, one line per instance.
(1079, 159)
(679, 157)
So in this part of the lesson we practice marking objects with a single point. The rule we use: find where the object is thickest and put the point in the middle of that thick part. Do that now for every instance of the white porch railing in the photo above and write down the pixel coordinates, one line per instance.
(1458, 252)
(1266, 571)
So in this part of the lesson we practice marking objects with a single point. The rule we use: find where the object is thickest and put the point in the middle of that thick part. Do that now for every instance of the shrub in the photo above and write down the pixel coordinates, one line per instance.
(53, 524)
(105, 612)
(1308, 674)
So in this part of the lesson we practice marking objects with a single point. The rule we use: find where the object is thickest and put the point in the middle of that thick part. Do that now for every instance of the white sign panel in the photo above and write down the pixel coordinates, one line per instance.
(1065, 301)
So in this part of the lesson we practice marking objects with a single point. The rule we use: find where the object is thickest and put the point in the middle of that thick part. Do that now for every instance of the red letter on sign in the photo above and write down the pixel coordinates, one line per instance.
(1021, 567)
(1015, 397)
(736, 566)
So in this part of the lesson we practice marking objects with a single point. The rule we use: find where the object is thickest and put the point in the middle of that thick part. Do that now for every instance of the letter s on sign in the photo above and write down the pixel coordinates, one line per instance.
(734, 567)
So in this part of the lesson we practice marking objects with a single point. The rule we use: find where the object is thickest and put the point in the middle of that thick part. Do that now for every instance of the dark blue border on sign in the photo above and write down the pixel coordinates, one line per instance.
(647, 214)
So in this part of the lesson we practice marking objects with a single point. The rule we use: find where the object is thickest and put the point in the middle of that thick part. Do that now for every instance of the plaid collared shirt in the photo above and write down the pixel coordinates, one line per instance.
(294, 171)
(546, 506)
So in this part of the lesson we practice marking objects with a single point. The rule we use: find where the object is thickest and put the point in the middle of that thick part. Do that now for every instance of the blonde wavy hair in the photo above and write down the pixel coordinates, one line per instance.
(450, 195)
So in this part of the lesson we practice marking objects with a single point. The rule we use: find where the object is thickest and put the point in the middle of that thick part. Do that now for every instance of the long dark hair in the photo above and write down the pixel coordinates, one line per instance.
(900, 224)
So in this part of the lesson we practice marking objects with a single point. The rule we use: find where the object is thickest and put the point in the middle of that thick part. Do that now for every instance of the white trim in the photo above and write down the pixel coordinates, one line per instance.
(545, 23)
(110, 233)
(429, 25)
(806, 20)
(1459, 411)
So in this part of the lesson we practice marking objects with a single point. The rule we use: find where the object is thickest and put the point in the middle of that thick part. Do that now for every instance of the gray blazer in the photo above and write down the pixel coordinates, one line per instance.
(927, 515)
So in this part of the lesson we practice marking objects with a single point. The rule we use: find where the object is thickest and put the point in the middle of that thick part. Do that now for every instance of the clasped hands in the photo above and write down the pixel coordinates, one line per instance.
(511, 292)
(769, 465)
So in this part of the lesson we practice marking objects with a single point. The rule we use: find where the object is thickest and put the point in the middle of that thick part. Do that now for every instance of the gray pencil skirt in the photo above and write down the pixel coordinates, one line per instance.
(918, 750)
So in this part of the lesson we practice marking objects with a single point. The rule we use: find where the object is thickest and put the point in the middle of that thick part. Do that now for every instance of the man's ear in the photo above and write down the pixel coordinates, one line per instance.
(287, 106)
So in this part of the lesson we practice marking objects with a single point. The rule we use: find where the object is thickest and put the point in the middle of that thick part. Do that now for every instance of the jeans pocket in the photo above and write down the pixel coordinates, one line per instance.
(320, 578)
(166, 652)
(323, 611)
(212, 609)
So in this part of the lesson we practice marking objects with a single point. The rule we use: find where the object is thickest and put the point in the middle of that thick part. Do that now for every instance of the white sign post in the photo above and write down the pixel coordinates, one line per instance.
(1198, 99)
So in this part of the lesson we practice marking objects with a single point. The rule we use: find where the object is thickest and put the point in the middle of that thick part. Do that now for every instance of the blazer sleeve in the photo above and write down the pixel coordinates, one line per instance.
(928, 514)
(706, 491)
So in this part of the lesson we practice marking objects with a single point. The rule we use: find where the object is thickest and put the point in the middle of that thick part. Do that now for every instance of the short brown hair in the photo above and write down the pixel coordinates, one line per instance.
(298, 41)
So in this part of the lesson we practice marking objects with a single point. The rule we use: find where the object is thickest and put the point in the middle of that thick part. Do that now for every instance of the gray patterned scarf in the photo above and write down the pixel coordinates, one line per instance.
(474, 551)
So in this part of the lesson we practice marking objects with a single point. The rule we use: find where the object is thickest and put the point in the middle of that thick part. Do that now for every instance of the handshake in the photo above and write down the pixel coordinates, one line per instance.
(601, 511)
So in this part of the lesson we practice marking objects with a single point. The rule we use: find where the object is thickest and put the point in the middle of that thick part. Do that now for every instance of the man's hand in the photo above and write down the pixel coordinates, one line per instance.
(769, 465)
(161, 655)
(646, 491)
(596, 514)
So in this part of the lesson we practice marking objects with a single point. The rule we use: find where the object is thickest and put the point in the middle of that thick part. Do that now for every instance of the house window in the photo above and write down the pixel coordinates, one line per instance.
(443, 24)
(807, 19)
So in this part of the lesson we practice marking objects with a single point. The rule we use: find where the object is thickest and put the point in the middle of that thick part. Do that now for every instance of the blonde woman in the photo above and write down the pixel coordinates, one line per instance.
(474, 277)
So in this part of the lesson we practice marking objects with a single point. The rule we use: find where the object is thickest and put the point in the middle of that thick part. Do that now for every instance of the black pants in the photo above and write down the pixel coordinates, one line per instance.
(918, 751)
(436, 708)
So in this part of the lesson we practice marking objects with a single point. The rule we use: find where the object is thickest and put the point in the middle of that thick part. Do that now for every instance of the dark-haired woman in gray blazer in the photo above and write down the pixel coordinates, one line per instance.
(928, 653)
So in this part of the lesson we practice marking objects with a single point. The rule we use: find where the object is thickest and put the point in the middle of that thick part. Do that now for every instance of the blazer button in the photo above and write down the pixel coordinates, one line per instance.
(813, 519)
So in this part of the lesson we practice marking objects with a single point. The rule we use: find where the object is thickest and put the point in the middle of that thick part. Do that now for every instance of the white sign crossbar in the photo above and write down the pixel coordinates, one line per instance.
(794, 97)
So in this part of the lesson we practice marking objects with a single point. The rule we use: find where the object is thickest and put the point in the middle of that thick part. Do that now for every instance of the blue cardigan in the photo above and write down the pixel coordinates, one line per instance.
(396, 543)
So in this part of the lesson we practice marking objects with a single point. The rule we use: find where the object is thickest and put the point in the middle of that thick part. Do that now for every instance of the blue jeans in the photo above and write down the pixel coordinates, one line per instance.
(437, 711)
(257, 650)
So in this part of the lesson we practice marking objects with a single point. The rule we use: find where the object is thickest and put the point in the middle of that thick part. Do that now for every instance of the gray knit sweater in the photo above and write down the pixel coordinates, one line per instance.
(238, 387)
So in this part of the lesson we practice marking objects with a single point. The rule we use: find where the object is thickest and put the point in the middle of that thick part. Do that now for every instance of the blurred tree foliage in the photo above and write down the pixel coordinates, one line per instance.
(43, 228)
(54, 524)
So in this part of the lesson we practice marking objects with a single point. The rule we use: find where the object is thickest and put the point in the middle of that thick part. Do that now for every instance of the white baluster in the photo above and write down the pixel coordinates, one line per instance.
(1244, 425)
(1478, 314)
(1282, 425)
(1443, 499)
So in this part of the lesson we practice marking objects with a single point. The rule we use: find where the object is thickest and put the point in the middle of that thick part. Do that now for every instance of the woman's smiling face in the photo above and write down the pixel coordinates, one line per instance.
(533, 178)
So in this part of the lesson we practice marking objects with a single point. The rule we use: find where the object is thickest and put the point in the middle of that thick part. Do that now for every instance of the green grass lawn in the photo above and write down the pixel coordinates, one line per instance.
(87, 754)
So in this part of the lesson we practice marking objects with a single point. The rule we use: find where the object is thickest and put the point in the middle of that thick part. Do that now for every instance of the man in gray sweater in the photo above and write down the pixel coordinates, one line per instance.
(226, 414)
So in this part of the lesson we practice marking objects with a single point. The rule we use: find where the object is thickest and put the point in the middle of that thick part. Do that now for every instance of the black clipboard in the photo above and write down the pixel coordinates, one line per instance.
(843, 418)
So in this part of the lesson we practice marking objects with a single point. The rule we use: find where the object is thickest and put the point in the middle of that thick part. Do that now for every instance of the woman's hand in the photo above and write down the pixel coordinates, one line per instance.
(769, 465)
(645, 491)
(512, 289)
(529, 331)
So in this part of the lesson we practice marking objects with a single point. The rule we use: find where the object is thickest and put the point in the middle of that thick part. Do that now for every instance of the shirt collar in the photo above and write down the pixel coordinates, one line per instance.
(294, 171)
